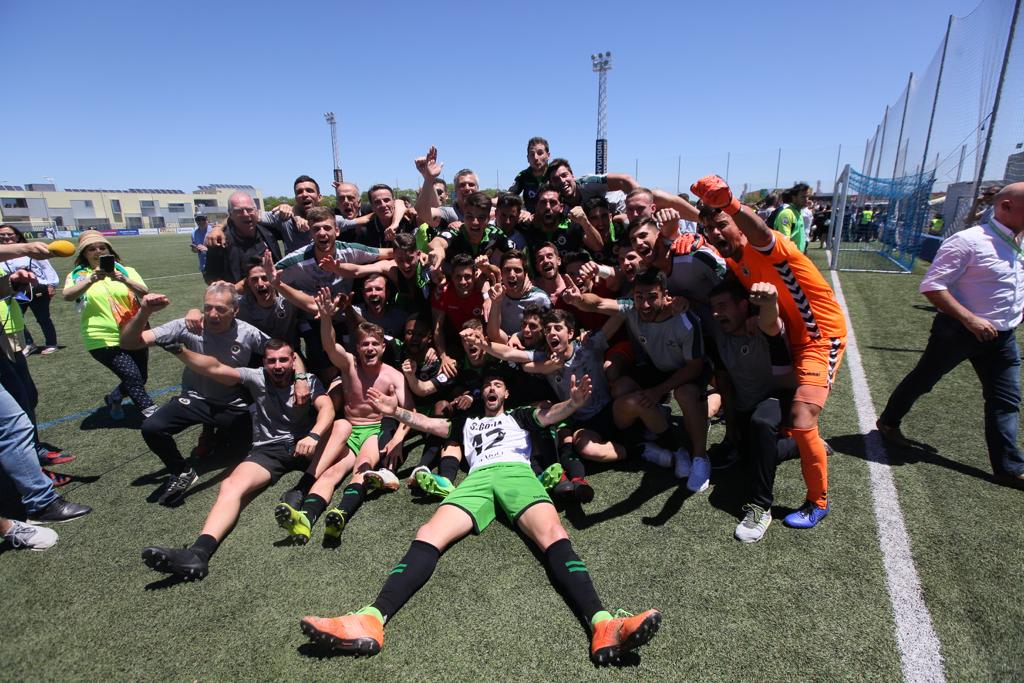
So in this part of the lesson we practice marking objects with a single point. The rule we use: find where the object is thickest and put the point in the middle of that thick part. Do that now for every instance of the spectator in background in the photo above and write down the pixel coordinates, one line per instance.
(37, 296)
(106, 300)
(243, 238)
(981, 212)
(198, 242)
(790, 221)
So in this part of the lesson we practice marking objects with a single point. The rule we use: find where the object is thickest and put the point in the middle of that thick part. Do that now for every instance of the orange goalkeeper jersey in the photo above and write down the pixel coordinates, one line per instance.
(807, 304)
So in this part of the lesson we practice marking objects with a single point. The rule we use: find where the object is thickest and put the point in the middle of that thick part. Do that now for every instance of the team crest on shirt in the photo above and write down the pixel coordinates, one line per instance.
(184, 401)
(279, 312)
(746, 272)
(560, 241)
(642, 339)
(441, 377)
(745, 350)
(478, 311)
(236, 348)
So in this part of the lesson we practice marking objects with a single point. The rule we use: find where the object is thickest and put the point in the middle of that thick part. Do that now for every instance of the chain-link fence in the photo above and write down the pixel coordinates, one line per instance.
(960, 118)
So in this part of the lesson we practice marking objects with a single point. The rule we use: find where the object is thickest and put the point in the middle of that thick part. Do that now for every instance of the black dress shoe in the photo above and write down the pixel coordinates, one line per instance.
(60, 510)
(1015, 481)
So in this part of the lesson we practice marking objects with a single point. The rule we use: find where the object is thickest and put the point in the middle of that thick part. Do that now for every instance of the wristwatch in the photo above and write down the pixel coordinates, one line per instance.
(172, 347)
(301, 375)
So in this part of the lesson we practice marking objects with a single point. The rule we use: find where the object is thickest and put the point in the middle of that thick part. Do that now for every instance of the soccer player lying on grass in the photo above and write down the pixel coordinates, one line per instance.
(286, 436)
(497, 447)
(815, 326)
(672, 342)
(375, 439)
(588, 434)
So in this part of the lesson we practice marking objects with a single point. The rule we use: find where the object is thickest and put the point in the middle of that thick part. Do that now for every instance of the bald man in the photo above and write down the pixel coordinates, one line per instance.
(244, 237)
(977, 283)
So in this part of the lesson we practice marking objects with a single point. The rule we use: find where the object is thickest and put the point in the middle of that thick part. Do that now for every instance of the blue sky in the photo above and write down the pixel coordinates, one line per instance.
(175, 94)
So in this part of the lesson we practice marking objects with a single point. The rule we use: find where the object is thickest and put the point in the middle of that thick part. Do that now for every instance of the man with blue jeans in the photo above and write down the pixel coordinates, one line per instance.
(977, 283)
(19, 463)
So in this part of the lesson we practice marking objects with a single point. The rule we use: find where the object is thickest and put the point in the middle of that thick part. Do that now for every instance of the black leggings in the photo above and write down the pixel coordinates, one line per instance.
(40, 306)
(132, 368)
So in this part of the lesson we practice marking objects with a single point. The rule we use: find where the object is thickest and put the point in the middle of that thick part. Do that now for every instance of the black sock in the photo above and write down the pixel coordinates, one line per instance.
(313, 506)
(572, 465)
(571, 574)
(205, 546)
(431, 449)
(668, 439)
(407, 577)
(449, 467)
(305, 483)
(351, 499)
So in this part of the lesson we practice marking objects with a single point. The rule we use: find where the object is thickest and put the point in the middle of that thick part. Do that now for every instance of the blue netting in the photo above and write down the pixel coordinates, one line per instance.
(899, 213)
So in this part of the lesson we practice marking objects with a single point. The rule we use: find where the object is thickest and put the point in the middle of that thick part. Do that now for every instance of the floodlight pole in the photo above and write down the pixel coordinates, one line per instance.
(333, 123)
(601, 64)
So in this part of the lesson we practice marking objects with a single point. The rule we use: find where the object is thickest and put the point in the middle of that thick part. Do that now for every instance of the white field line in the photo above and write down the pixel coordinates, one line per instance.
(920, 654)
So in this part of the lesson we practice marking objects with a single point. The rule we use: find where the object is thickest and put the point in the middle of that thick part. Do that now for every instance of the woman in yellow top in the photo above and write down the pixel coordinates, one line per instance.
(106, 300)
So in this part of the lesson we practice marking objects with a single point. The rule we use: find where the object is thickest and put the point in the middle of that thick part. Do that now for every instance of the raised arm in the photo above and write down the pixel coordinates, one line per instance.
(667, 200)
(494, 331)
(579, 394)
(592, 239)
(337, 354)
(622, 182)
(766, 298)
(715, 192)
(587, 301)
(387, 404)
(134, 334)
(427, 204)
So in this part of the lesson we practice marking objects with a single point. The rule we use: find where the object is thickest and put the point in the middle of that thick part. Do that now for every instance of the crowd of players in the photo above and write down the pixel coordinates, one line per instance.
(516, 339)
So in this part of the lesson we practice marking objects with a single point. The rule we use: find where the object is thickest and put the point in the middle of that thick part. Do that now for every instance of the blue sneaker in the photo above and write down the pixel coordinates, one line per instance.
(807, 516)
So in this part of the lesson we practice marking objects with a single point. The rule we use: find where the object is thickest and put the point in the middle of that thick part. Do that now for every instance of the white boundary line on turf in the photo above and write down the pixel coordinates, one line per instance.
(920, 654)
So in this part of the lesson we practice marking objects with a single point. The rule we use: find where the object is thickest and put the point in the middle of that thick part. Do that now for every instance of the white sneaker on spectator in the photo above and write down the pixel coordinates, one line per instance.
(24, 535)
(682, 466)
(700, 474)
(754, 524)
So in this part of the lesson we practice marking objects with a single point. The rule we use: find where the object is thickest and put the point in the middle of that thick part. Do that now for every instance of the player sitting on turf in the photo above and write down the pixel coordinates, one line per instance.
(497, 448)
(286, 436)
(374, 440)
(671, 343)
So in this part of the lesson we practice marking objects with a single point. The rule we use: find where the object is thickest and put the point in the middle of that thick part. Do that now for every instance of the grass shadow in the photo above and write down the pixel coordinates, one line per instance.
(855, 445)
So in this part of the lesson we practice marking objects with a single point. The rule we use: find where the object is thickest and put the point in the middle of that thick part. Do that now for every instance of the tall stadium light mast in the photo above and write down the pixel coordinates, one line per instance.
(602, 64)
(333, 123)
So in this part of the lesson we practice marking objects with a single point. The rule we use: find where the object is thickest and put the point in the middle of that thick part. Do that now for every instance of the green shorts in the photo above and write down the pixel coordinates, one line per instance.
(360, 433)
(513, 484)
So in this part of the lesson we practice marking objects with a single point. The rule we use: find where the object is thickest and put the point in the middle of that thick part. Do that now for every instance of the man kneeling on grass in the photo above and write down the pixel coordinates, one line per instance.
(286, 436)
(497, 449)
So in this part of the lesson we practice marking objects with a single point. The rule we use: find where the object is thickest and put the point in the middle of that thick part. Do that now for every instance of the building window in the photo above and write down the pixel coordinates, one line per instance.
(14, 203)
(115, 205)
(176, 208)
(134, 221)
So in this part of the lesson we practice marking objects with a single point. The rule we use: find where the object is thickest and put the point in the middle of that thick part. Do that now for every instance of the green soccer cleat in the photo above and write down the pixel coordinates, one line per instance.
(334, 523)
(434, 484)
(550, 477)
(294, 522)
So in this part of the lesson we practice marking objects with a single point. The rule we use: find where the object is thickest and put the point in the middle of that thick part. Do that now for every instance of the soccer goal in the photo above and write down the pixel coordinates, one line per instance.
(878, 223)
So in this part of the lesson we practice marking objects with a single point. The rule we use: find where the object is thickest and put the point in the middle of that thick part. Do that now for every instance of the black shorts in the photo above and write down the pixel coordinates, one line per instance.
(603, 423)
(277, 458)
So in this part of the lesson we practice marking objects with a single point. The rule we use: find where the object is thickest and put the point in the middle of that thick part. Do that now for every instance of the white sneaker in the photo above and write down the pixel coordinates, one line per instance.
(382, 479)
(700, 474)
(656, 455)
(682, 458)
(24, 535)
(754, 524)
(411, 481)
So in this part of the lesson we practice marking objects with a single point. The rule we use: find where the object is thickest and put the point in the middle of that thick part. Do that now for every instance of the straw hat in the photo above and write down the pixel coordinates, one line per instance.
(91, 237)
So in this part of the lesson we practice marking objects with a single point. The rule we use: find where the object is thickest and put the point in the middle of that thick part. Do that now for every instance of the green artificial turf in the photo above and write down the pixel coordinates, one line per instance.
(800, 605)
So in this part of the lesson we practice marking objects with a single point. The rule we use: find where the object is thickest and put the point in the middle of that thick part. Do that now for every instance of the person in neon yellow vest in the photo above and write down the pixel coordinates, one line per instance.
(789, 220)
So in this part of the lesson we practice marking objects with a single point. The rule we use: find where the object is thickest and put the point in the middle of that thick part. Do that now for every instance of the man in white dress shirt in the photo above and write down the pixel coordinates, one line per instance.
(977, 283)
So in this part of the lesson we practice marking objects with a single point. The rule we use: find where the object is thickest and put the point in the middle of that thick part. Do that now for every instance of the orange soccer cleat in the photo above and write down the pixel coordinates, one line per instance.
(624, 632)
(357, 634)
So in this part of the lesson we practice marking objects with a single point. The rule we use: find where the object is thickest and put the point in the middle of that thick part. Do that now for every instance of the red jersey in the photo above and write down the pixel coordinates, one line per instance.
(457, 311)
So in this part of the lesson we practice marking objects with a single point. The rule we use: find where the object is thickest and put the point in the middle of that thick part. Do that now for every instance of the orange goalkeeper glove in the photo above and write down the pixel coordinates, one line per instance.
(715, 192)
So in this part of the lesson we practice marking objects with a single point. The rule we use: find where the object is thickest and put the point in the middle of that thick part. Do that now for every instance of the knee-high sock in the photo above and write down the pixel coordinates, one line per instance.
(351, 499)
(571, 462)
(407, 577)
(813, 463)
(571, 574)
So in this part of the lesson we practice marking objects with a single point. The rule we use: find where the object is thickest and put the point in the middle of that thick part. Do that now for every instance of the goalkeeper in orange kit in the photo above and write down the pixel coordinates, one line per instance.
(815, 326)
